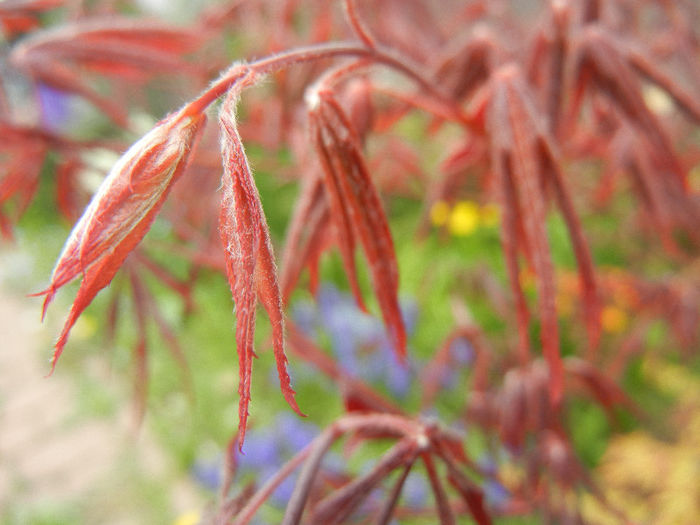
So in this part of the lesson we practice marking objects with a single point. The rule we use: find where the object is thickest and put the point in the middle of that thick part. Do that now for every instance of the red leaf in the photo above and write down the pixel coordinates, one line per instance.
(513, 409)
(70, 197)
(524, 162)
(442, 503)
(602, 387)
(307, 236)
(471, 494)
(602, 60)
(17, 16)
(582, 253)
(121, 212)
(113, 46)
(357, 208)
(19, 179)
(345, 234)
(250, 263)
(61, 77)
(467, 64)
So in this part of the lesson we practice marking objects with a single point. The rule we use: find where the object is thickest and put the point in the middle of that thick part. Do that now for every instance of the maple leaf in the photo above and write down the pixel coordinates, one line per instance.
(600, 60)
(19, 180)
(17, 16)
(356, 209)
(525, 163)
(59, 57)
(250, 262)
(307, 237)
(121, 213)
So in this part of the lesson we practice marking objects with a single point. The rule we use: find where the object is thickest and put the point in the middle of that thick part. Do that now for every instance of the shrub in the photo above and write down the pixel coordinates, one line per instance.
(564, 106)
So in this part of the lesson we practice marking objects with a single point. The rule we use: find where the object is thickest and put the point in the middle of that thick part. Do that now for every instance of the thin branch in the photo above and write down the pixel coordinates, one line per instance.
(338, 506)
(358, 25)
(246, 75)
(297, 502)
(254, 503)
(441, 502)
(390, 505)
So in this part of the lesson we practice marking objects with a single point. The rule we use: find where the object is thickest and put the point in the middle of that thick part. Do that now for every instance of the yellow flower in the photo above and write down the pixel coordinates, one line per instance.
(464, 218)
(613, 319)
(188, 518)
(439, 213)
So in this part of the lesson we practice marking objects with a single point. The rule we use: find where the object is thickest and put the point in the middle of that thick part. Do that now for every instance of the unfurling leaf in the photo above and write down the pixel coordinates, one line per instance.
(121, 213)
(516, 165)
(525, 164)
(357, 209)
(250, 263)
(307, 237)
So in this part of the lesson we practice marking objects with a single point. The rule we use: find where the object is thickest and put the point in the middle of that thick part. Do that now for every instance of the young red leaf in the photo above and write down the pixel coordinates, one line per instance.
(344, 232)
(17, 16)
(57, 57)
(442, 503)
(387, 512)
(121, 212)
(601, 60)
(591, 303)
(307, 236)
(513, 409)
(515, 138)
(356, 207)
(467, 64)
(70, 196)
(471, 494)
(19, 180)
(602, 387)
(250, 262)
(526, 164)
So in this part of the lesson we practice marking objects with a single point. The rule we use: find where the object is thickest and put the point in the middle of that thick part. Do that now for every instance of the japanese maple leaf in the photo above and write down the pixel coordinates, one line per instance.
(250, 262)
(121, 213)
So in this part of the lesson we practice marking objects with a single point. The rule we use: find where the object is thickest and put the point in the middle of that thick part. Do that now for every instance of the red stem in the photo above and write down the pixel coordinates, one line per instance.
(357, 24)
(248, 74)
(247, 512)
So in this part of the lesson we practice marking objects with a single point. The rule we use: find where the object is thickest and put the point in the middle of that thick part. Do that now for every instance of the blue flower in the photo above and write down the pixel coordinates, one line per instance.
(358, 340)
(495, 493)
(207, 473)
(266, 449)
(415, 491)
(55, 107)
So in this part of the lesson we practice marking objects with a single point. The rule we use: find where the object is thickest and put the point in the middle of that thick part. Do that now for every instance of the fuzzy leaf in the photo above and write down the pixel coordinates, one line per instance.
(345, 235)
(311, 215)
(121, 212)
(250, 263)
(356, 207)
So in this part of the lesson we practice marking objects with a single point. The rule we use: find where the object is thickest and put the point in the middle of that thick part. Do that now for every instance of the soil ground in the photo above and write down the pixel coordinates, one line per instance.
(60, 466)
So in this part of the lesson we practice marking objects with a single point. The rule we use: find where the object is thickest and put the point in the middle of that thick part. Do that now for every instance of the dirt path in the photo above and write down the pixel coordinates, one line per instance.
(55, 461)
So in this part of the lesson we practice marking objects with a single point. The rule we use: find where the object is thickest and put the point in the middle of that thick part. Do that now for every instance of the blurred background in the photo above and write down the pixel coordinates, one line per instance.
(96, 443)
